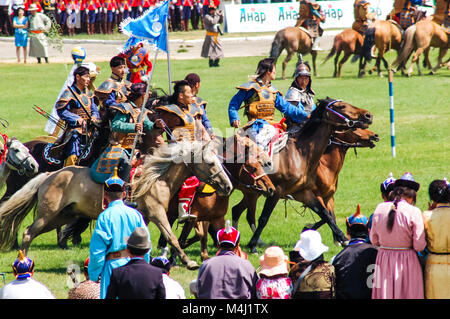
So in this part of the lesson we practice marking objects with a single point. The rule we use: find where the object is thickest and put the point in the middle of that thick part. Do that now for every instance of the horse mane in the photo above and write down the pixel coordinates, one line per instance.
(157, 164)
(316, 118)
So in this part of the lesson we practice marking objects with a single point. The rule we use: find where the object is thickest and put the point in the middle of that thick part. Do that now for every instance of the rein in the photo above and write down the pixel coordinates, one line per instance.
(348, 122)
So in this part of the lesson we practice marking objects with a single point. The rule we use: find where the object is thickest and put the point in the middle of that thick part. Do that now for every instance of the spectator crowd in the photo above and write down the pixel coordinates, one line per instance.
(397, 253)
(103, 16)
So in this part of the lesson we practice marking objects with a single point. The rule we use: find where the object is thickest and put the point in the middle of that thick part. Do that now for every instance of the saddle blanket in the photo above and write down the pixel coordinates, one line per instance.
(271, 138)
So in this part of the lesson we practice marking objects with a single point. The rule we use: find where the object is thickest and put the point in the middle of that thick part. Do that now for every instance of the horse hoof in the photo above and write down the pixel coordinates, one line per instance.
(192, 265)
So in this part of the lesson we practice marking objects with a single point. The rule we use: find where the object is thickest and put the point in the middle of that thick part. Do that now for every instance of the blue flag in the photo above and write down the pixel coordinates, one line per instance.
(150, 27)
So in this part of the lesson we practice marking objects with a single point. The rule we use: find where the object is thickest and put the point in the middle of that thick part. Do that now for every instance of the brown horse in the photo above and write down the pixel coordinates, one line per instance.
(294, 40)
(210, 208)
(385, 35)
(330, 165)
(421, 37)
(295, 166)
(348, 41)
(69, 192)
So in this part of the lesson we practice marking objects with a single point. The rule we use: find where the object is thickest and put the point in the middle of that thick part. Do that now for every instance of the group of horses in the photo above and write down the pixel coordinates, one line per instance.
(386, 35)
(305, 170)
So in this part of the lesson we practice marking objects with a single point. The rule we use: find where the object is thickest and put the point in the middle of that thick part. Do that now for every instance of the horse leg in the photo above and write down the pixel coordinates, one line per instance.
(415, 58)
(314, 56)
(238, 209)
(285, 62)
(269, 206)
(183, 239)
(336, 59)
(442, 53)
(311, 201)
(164, 226)
(203, 234)
(341, 63)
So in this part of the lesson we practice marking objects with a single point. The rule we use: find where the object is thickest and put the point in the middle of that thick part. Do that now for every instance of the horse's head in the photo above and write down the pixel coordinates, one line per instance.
(344, 115)
(204, 163)
(19, 158)
(356, 138)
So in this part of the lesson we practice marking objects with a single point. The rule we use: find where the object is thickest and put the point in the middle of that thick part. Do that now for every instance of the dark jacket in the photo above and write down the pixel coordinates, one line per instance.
(136, 280)
(353, 266)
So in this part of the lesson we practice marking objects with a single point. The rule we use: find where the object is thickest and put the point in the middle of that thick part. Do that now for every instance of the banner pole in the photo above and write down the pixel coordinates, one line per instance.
(168, 58)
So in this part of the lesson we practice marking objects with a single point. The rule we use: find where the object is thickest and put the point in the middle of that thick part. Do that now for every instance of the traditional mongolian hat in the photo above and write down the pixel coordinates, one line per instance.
(23, 266)
(310, 245)
(357, 218)
(388, 185)
(78, 54)
(162, 261)
(273, 262)
(114, 183)
(228, 235)
(407, 180)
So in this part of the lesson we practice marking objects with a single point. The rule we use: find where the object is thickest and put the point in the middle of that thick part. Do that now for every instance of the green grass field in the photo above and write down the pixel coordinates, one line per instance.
(422, 117)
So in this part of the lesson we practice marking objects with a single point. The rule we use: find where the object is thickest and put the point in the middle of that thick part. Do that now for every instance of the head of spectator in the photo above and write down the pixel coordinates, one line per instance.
(118, 66)
(357, 225)
(33, 9)
(310, 245)
(114, 188)
(212, 9)
(138, 244)
(163, 263)
(386, 187)
(20, 12)
(273, 262)
(228, 237)
(194, 82)
(405, 188)
(23, 267)
(439, 192)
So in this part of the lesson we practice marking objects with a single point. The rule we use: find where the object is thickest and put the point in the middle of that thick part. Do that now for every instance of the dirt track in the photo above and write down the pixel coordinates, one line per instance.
(99, 50)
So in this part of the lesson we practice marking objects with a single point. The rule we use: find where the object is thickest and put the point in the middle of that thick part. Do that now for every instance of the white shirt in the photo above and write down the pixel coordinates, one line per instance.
(25, 289)
(173, 289)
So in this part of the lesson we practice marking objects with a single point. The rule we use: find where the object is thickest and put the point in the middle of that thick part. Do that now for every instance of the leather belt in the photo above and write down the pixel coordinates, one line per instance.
(118, 254)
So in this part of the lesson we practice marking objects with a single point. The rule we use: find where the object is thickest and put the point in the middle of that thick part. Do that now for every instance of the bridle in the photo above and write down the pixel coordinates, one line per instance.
(347, 122)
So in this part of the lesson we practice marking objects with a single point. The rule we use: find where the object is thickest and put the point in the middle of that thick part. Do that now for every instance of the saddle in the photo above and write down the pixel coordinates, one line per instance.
(306, 31)
(397, 25)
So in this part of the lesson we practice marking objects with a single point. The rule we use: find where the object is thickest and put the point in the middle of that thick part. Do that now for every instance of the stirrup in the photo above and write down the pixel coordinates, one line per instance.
(186, 217)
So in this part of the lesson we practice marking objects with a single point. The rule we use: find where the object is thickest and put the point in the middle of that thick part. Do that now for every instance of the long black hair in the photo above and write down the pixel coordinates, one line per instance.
(399, 193)
(265, 65)
(439, 191)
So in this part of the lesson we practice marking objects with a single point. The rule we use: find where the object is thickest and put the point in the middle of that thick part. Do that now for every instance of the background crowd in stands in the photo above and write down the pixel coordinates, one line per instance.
(104, 16)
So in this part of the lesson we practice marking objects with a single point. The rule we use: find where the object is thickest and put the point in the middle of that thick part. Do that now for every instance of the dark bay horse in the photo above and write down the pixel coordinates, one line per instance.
(294, 40)
(211, 208)
(296, 165)
(350, 42)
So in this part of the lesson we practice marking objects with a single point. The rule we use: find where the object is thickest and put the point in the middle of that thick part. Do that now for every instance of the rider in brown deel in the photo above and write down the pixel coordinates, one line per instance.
(442, 14)
(362, 16)
(310, 17)
(183, 120)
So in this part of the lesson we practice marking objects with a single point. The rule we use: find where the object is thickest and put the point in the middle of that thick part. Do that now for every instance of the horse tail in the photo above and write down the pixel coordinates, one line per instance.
(369, 42)
(407, 47)
(16, 208)
(277, 45)
(333, 50)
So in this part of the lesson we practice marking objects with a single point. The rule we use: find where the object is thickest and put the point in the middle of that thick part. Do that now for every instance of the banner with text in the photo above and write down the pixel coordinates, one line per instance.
(276, 16)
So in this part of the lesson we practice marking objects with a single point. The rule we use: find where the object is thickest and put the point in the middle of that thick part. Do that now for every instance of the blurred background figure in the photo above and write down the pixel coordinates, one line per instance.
(20, 25)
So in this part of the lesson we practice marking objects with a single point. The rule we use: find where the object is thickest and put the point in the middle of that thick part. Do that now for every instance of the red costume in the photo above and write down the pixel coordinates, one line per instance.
(137, 60)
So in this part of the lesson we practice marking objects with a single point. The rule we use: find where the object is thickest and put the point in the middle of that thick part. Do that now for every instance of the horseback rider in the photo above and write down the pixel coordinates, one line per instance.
(442, 14)
(405, 12)
(76, 107)
(362, 16)
(310, 16)
(183, 117)
(194, 82)
(300, 91)
(113, 90)
(260, 99)
(137, 61)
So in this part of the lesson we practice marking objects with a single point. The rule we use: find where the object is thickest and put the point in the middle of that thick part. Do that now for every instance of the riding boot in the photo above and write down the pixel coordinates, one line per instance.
(71, 160)
(211, 63)
(216, 62)
(185, 198)
(46, 59)
(39, 60)
(315, 46)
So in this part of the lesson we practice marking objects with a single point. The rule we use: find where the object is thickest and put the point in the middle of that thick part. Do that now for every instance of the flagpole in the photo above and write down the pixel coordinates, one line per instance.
(168, 55)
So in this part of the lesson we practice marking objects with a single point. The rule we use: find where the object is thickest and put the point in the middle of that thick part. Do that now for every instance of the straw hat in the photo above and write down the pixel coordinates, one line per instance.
(310, 245)
(273, 262)
(33, 7)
